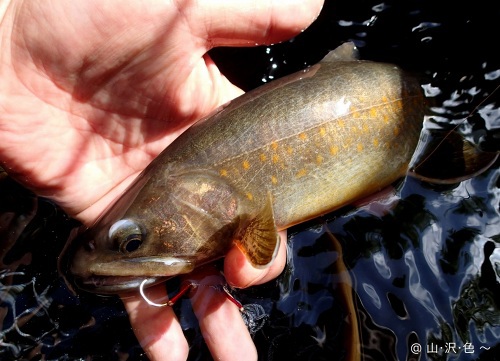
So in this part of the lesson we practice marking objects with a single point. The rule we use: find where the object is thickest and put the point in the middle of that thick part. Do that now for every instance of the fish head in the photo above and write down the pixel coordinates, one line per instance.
(157, 229)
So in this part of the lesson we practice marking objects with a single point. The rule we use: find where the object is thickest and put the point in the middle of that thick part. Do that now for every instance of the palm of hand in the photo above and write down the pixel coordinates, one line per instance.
(93, 90)
(103, 96)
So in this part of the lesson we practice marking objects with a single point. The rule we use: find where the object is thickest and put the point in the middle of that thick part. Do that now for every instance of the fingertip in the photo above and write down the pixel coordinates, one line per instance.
(235, 265)
(250, 22)
(240, 273)
(280, 261)
(287, 18)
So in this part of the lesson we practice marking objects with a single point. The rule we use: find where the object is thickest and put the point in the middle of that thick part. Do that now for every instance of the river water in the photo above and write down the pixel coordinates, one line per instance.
(413, 275)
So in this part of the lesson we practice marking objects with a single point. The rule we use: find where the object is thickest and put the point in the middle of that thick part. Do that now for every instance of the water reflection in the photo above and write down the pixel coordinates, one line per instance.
(442, 288)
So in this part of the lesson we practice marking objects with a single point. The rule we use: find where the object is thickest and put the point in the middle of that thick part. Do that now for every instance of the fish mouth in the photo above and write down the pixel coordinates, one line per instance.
(127, 275)
(115, 284)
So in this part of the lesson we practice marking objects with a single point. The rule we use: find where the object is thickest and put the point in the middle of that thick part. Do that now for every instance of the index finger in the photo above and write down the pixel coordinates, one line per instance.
(221, 324)
(156, 328)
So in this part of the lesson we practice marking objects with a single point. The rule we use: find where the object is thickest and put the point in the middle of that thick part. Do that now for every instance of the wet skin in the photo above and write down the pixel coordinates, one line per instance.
(284, 153)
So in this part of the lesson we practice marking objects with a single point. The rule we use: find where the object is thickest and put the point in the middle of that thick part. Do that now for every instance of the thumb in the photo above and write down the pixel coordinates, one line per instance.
(244, 23)
(250, 22)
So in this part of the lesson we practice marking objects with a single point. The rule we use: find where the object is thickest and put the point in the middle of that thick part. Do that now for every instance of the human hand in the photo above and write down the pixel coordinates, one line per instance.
(92, 91)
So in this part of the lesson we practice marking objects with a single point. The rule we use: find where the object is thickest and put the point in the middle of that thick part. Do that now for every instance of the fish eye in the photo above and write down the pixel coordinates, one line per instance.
(131, 244)
(126, 235)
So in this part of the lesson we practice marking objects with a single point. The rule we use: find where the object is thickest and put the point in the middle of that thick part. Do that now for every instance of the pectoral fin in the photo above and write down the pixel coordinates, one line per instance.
(446, 157)
(260, 239)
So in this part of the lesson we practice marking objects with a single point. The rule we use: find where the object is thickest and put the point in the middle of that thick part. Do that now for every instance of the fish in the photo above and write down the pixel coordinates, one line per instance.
(287, 152)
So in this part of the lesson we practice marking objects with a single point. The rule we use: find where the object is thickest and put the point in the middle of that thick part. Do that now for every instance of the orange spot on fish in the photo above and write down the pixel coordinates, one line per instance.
(249, 196)
(302, 136)
(223, 172)
(334, 149)
(276, 158)
(322, 131)
(246, 165)
(373, 112)
(274, 145)
(347, 143)
(385, 99)
(375, 142)
(274, 180)
(262, 157)
(319, 159)
(359, 147)
(289, 150)
(302, 172)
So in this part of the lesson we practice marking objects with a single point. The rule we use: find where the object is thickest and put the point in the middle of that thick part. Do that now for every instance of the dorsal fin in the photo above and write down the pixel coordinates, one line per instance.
(344, 52)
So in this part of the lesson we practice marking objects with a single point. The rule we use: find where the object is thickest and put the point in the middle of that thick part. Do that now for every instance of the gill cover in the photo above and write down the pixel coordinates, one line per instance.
(209, 203)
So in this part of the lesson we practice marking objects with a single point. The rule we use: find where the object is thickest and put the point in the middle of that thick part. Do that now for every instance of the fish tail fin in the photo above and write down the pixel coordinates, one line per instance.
(260, 240)
(446, 157)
